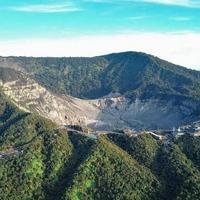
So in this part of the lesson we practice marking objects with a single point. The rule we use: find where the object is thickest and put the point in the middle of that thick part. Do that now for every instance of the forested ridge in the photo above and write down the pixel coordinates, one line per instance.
(38, 161)
(130, 73)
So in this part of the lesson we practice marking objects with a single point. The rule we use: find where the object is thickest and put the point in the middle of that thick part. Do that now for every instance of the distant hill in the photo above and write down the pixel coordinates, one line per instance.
(129, 73)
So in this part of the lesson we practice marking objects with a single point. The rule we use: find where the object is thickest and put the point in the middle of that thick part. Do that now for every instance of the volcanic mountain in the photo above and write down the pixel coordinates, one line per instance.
(122, 90)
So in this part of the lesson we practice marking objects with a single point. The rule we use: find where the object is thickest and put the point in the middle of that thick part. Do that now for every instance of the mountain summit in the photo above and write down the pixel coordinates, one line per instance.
(131, 73)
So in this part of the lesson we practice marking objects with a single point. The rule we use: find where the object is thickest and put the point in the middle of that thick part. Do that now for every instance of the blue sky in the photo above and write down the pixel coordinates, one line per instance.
(48, 21)
(47, 18)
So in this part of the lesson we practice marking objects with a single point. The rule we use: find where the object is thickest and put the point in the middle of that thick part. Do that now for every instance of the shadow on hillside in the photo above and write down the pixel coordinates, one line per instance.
(12, 121)
(82, 147)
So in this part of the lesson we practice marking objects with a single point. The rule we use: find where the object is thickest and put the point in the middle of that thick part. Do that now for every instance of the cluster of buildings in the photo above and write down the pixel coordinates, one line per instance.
(192, 129)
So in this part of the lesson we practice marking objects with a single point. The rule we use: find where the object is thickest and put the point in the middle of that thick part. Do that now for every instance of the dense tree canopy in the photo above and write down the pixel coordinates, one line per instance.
(40, 162)
(130, 73)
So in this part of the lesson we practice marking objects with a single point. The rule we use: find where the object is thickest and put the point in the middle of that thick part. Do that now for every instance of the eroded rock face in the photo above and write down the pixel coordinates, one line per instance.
(149, 114)
(108, 113)
(32, 97)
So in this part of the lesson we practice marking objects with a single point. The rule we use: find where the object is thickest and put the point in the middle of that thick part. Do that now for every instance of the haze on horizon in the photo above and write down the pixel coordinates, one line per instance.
(168, 29)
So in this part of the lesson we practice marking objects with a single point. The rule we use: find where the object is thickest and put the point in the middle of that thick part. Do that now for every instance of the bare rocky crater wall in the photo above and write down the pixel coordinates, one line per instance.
(107, 113)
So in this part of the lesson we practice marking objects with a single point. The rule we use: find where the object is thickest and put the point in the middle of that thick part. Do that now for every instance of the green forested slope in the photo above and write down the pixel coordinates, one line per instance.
(38, 161)
(181, 177)
(131, 73)
(110, 173)
(143, 148)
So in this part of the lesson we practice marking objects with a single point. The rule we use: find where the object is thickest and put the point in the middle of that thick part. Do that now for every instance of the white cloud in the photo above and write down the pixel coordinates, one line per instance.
(185, 3)
(47, 8)
(180, 18)
(179, 48)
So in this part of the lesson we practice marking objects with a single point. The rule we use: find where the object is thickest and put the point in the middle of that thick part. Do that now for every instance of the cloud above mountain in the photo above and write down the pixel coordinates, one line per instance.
(179, 48)
(47, 8)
